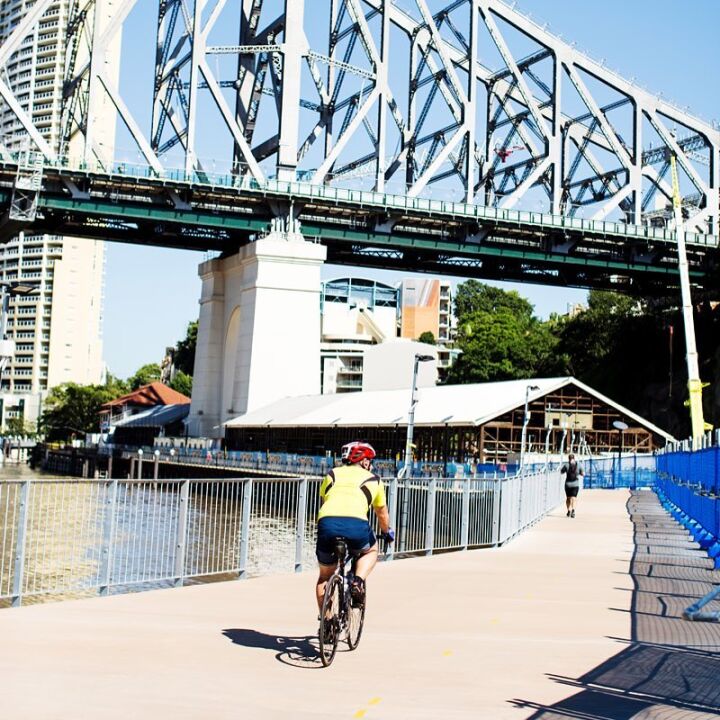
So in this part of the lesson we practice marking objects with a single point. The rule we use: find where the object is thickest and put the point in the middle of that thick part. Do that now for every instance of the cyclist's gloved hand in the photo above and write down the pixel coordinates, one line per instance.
(389, 535)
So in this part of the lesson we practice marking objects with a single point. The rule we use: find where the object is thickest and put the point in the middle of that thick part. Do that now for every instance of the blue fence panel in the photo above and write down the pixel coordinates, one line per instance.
(687, 483)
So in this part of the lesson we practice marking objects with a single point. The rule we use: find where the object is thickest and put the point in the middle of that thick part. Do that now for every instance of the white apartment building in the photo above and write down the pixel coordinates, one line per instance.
(355, 314)
(369, 328)
(58, 328)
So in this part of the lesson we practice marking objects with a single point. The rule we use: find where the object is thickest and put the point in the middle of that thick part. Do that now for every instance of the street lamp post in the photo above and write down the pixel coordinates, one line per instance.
(7, 345)
(411, 414)
(7, 289)
(405, 470)
(526, 420)
(620, 426)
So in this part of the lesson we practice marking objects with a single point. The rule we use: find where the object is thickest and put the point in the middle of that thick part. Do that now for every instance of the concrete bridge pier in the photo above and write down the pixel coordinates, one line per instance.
(259, 330)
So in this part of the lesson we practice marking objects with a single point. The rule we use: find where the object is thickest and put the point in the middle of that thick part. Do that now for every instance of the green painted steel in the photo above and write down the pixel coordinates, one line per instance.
(131, 203)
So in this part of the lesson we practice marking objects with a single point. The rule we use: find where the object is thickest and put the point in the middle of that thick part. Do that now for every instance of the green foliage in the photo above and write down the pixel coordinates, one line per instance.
(427, 337)
(500, 338)
(182, 383)
(72, 408)
(144, 376)
(473, 296)
(184, 358)
(20, 426)
(117, 386)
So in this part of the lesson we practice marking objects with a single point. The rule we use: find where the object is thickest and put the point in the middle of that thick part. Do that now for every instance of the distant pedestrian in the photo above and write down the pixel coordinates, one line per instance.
(573, 474)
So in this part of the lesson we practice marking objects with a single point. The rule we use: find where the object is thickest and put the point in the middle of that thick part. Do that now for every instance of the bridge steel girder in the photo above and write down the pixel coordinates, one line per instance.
(327, 102)
(369, 229)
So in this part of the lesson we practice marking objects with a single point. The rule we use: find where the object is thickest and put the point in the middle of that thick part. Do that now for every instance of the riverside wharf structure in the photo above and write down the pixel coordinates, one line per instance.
(480, 422)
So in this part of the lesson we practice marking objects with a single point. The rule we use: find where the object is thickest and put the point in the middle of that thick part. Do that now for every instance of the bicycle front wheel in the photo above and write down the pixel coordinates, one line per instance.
(355, 620)
(329, 633)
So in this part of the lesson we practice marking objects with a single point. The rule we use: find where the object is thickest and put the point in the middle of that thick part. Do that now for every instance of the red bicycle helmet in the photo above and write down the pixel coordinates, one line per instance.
(356, 451)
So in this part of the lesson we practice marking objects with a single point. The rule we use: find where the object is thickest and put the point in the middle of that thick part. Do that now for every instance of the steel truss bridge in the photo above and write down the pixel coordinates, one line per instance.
(449, 137)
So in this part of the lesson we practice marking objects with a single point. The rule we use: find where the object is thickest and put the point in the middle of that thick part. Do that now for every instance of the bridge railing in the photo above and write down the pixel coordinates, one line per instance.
(294, 463)
(70, 538)
(304, 189)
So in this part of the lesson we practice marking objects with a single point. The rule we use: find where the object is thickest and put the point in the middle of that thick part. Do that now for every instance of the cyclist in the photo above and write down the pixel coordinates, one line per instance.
(347, 493)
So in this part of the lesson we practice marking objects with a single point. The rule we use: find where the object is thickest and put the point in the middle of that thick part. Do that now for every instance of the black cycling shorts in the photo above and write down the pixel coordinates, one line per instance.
(357, 533)
(571, 491)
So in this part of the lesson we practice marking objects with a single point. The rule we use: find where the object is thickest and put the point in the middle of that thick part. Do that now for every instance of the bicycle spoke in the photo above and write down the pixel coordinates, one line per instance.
(355, 620)
(329, 632)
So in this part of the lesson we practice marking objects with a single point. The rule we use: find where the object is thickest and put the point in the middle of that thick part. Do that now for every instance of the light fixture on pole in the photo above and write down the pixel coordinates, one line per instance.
(620, 426)
(405, 470)
(526, 420)
(7, 346)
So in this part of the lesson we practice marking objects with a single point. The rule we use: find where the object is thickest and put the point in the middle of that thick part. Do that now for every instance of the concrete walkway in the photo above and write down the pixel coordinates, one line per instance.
(506, 633)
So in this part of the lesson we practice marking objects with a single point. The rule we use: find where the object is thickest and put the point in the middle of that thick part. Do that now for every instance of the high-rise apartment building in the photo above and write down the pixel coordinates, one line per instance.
(426, 306)
(57, 328)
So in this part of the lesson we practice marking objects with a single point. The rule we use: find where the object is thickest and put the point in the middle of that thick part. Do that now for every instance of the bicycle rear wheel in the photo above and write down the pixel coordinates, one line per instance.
(329, 632)
(355, 620)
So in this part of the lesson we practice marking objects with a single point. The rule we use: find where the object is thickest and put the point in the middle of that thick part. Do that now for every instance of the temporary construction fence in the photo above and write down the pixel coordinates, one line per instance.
(76, 537)
(688, 485)
(617, 471)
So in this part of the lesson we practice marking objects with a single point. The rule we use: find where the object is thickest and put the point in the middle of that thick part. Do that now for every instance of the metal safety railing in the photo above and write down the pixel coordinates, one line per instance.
(65, 538)
(384, 200)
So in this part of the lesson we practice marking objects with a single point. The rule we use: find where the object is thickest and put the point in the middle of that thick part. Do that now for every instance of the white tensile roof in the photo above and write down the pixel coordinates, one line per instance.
(443, 404)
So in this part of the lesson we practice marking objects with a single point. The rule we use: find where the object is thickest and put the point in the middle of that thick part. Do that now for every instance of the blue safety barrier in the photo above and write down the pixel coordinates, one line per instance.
(687, 485)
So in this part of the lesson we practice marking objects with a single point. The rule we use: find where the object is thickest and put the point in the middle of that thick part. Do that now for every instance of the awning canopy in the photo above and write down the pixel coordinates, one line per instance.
(159, 416)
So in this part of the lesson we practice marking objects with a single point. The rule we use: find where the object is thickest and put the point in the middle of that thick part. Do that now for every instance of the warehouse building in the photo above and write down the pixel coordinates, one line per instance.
(479, 422)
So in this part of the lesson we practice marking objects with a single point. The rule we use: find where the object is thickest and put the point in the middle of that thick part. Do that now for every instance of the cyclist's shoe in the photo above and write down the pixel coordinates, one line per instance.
(568, 514)
(357, 592)
(327, 627)
(572, 513)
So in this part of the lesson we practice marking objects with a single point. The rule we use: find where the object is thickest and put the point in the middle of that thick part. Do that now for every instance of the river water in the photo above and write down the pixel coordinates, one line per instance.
(84, 535)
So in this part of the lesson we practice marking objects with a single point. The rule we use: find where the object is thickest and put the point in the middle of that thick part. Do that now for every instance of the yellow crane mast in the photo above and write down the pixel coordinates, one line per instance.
(695, 386)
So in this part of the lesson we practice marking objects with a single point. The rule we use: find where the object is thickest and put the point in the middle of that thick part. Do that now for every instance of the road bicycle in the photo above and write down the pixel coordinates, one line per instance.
(340, 614)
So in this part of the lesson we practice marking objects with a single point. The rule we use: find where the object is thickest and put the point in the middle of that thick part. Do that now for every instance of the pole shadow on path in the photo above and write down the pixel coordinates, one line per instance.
(670, 669)
(301, 651)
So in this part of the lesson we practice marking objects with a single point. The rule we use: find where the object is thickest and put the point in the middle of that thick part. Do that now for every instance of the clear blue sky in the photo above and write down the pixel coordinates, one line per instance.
(151, 294)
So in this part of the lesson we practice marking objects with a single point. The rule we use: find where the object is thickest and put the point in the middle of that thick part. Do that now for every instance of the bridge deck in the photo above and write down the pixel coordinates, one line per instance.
(571, 619)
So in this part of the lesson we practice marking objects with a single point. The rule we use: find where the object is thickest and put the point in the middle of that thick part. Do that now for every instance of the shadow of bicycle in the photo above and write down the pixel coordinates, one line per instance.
(300, 651)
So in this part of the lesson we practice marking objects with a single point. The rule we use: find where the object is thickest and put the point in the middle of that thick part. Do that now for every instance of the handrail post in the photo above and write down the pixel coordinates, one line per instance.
(180, 544)
(108, 536)
(301, 522)
(392, 508)
(497, 502)
(430, 517)
(18, 575)
(245, 528)
(465, 522)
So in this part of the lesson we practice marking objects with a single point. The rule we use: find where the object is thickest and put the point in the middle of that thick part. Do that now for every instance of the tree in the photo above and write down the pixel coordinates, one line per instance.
(182, 383)
(473, 296)
(592, 336)
(20, 426)
(117, 386)
(427, 337)
(72, 408)
(184, 357)
(144, 376)
(500, 338)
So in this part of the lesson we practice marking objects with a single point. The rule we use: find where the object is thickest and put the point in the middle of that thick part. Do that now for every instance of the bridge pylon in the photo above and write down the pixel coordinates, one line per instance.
(259, 329)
